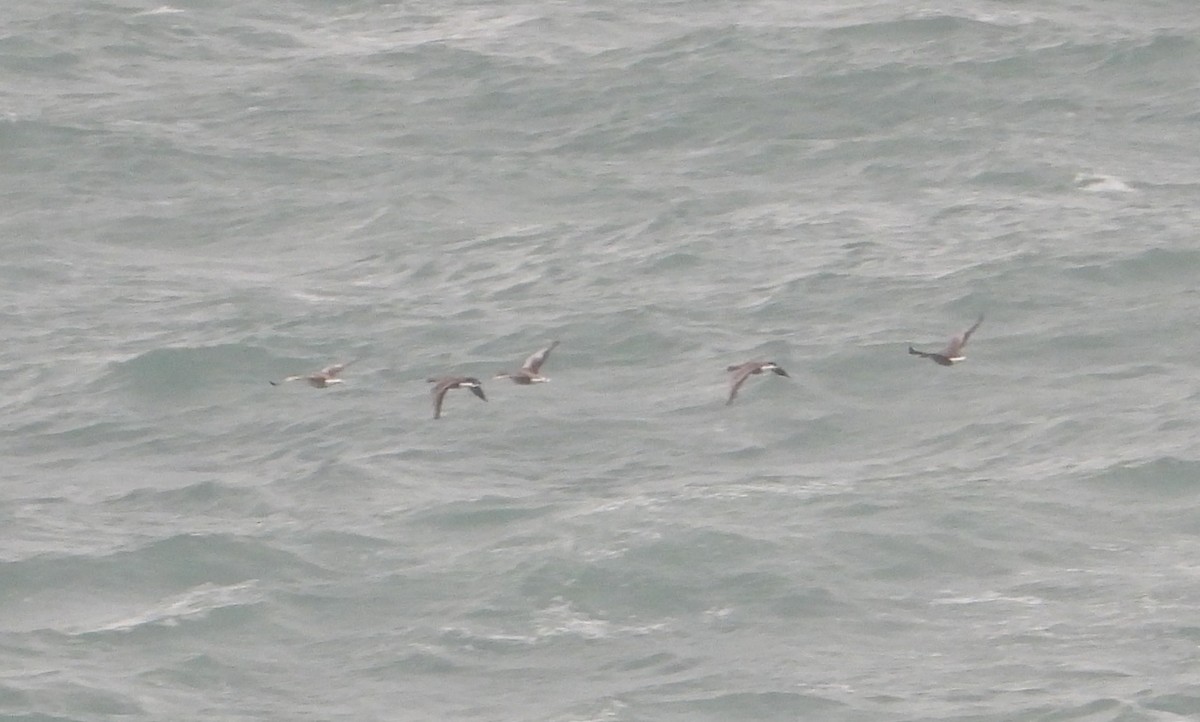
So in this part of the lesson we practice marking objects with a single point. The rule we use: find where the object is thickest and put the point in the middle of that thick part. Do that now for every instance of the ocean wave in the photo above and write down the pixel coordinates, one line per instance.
(1165, 477)
(193, 604)
(199, 202)
(181, 370)
(761, 705)
(1100, 183)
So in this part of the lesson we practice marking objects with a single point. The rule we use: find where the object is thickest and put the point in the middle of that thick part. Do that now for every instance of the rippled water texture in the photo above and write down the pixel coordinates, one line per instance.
(202, 197)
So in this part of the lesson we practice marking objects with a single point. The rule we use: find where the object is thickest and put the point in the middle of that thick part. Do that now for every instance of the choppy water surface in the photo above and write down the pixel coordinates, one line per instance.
(202, 197)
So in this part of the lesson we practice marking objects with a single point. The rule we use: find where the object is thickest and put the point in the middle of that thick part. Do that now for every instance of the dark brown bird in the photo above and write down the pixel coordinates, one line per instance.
(529, 371)
(953, 353)
(327, 376)
(745, 371)
(446, 383)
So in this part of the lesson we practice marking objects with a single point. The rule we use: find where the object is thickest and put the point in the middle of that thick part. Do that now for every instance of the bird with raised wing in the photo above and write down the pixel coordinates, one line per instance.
(953, 353)
(327, 376)
(530, 371)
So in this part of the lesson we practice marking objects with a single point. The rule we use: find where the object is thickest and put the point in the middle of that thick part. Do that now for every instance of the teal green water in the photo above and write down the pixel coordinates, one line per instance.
(202, 197)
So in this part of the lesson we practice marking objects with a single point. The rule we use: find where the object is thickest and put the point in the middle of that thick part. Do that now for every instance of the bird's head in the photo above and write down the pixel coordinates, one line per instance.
(772, 366)
(475, 386)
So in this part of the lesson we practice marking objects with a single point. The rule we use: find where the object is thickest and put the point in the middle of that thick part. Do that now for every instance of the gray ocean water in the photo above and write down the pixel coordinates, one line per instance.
(203, 196)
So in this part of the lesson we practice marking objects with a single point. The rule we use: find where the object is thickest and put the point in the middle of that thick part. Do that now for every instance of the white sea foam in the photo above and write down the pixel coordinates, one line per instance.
(195, 199)
(193, 604)
(1098, 183)
(160, 10)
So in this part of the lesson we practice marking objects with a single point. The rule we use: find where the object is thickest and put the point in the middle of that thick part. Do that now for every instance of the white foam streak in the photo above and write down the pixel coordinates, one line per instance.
(192, 604)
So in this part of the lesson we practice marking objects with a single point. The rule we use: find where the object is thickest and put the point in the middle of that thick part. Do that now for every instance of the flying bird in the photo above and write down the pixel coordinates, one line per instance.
(319, 379)
(446, 383)
(529, 373)
(953, 353)
(744, 371)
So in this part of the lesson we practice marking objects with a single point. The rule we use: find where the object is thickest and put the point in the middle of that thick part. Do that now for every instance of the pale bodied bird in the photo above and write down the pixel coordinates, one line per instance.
(953, 353)
(530, 371)
(327, 376)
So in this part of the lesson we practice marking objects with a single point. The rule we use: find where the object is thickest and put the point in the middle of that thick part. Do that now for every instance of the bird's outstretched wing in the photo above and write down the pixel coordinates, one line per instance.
(533, 364)
(335, 369)
(740, 374)
(439, 395)
(958, 342)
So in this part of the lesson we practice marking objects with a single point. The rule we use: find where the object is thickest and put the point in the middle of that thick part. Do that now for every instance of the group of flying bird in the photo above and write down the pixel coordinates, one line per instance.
(531, 371)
